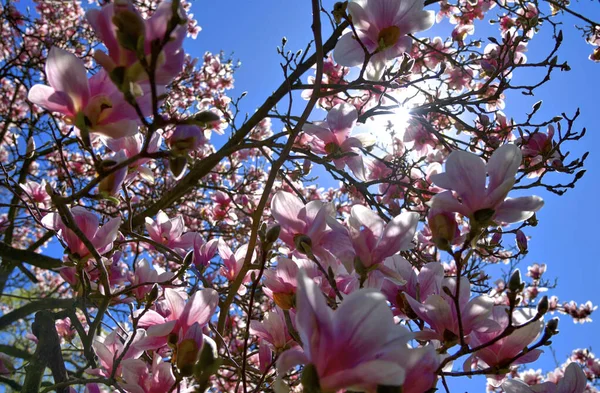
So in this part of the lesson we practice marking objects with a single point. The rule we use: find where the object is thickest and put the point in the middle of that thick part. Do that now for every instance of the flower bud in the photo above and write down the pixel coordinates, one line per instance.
(514, 283)
(30, 148)
(177, 165)
(339, 11)
(443, 230)
(496, 238)
(273, 234)
(187, 353)
(310, 379)
(521, 241)
(542, 307)
(552, 326)
(131, 29)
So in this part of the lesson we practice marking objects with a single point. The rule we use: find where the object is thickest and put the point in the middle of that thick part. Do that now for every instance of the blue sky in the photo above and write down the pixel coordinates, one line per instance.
(564, 240)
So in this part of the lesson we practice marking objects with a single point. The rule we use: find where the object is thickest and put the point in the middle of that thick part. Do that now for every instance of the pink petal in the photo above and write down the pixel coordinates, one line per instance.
(67, 74)
(286, 208)
(342, 118)
(200, 307)
(518, 209)
(50, 99)
(503, 165)
(348, 51)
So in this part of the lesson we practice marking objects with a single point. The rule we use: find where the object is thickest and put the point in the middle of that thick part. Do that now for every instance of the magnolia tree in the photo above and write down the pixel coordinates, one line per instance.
(155, 238)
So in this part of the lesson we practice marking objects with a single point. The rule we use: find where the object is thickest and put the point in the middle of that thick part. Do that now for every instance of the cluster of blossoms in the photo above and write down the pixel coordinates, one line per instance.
(193, 266)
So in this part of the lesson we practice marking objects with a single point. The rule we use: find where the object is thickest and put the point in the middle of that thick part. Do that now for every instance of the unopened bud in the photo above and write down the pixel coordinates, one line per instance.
(153, 294)
(273, 234)
(204, 118)
(495, 240)
(310, 379)
(521, 241)
(552, 326)
(443, 230)
(514, 283)
(187, 353)
(542, 307)
(177, 165)
(131, 29)
(30, 148)
(339, 11)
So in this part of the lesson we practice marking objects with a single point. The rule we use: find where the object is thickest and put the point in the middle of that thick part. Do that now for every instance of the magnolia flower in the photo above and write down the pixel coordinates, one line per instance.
(101, 237)
(204, 251)
(109, 348)
(146, 273)
(186, 138)
(508, 347)
(332, 137)
(178, 320)
(37, 192)
(574, 381)
(280, 283)
(427, 282)
(383, 27)
(301, 225)
(171, 58)
(353, 347)
(233, 262)
(170, 232)
(466, 176)
(374, 240)
(439, 311)
(138, 379)
(273, 330)
(111, 184)
(132, 146)
(96, 104)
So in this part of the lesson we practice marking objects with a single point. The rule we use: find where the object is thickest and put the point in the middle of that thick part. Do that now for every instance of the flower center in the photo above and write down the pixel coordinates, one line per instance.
(388, 37)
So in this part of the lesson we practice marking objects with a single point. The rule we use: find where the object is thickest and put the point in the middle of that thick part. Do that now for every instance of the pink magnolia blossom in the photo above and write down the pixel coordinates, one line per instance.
(233, 262)
(170, 232)
(574, 381)
(332, 137)
(111, 184)
(204, 251)
(138, 379)
(427, 282)
(101, 237)
(273, 330)
(280, 283)
(374, 240)
(501, 351)
(177, 319)
(297, 219)
(466, 176)
(186, 138)
(146, 273)
(382, 27)
(97, 103)
(171, 58)
(132, 146)
(439, 311)
(346, 348)
(37, 192)
(111, 347)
